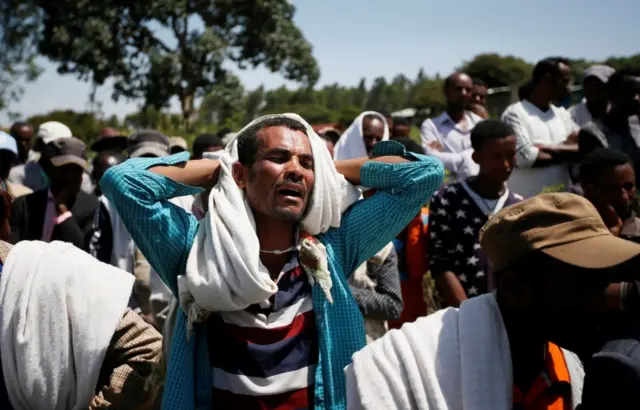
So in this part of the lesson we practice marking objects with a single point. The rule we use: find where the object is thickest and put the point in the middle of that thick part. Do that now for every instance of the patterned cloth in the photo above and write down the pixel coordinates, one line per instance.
(164, 232)
(454, 225)
(270, 354)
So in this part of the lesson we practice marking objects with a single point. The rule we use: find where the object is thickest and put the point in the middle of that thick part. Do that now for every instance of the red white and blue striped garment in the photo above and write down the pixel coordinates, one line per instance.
(264, 357)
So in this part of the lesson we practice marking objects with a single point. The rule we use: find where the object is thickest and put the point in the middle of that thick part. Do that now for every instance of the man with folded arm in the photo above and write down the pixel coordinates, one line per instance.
(553, 258)
(270, 321)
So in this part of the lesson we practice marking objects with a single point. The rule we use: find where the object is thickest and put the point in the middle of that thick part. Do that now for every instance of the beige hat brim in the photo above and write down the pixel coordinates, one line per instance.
(69, 159)
(598, 252)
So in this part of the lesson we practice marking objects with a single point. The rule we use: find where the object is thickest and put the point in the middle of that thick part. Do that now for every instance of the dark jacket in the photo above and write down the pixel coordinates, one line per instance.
(28, 213)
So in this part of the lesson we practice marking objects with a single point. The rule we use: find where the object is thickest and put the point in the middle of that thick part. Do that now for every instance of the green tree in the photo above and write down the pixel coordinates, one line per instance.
(497, 70)
(83, 125)
(157, 49)
(359, 96)
(253, 104)
(376, 98)
(224, 105)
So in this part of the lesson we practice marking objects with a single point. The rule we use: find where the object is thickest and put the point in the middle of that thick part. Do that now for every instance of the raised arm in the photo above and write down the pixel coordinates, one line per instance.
(403, 182)
(140, 190)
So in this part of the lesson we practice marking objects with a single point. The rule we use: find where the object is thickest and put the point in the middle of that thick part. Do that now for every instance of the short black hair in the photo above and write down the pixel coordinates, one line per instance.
(204, 141)
(479, 82)
(17, 125)
(248, 139)
(410, 145)
(616, 81)
(599, 160)
(489, 129)
(548, 66)
(449, 78)
(330, 135)
(401, 121)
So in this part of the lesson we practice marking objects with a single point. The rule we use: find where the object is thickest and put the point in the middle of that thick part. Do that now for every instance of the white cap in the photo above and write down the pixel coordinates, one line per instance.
(53, 130)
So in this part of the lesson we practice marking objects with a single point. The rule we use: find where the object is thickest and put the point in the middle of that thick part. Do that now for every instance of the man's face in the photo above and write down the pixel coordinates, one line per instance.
(23, 136)
(571, 303)
(101, 165)
(389, 124)
(616, 187)
(627, 97)
(595, 91)
(496, 157)
(561, 83)
(372, 133)
(458, 93)
(479, 94)
(280, 182)
(66, 176)
(401, 130)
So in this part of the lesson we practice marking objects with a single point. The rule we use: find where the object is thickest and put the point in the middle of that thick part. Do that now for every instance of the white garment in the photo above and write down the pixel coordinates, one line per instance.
(224, 272)
(451, 360)
(455, 140)
(532, 126)
(580, 113)
(123, 250)
(59, 308)
(351, 144)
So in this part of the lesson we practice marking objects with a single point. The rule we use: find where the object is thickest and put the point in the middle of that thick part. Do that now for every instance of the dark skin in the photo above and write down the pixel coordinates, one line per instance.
(479, 110)
(595, 92)
(283, 163)
(372, 132)
(210, 148)
(479, 94)
(497, 158)
(458, 96)
(101, 163)
(23, 135)
(401, 130)
(65, 184)
(389, 124)
(542, 300)
(612, 193)
(7, 159)
(554, 88)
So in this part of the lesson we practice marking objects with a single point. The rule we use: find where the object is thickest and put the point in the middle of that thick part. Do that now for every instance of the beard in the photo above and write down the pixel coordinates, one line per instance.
(287, 214)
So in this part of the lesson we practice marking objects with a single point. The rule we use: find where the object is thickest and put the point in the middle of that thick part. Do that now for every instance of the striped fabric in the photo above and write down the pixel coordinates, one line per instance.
(165, 232)
(270, 353)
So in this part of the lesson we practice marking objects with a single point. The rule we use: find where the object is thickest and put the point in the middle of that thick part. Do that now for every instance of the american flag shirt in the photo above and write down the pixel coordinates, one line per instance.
(456, 215)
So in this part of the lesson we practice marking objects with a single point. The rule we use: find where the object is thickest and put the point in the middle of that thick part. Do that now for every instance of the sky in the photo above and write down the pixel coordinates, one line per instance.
(352, 39)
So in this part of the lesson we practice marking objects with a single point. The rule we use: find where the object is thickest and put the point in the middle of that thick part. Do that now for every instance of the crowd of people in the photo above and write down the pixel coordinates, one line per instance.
(277, 267)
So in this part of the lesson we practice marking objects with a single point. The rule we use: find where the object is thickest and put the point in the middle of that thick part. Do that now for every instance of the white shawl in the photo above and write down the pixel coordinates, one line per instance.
(351, 144)
(224, 272)
(451, 360)
(59, 308)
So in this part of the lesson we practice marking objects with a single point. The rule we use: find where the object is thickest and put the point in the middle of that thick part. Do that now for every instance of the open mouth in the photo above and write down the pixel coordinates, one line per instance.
(290, 192)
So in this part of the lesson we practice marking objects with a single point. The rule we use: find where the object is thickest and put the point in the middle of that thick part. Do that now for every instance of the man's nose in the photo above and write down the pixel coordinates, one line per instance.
(294, 170)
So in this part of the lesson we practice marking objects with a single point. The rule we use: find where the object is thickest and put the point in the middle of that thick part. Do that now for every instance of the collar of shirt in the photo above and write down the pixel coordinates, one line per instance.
(464, 126)
(551, 389)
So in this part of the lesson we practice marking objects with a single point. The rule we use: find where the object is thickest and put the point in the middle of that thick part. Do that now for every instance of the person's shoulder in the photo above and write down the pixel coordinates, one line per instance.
(475, 118)
(448, 192)
(514, 110)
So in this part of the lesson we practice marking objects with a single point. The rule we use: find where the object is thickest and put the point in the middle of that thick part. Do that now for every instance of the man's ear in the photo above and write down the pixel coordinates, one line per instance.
(474, 157)
(240, 175)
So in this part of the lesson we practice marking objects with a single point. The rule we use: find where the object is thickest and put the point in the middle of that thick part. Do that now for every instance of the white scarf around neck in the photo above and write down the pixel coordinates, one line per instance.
(59, 308)
(351, 143)
(224, 272)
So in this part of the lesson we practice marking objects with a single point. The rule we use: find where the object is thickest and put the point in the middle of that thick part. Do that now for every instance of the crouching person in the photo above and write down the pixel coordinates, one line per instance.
(67, 338)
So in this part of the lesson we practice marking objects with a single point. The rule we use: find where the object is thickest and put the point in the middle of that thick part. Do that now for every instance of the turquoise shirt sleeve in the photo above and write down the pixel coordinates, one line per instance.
(163, 231)
(401, 191)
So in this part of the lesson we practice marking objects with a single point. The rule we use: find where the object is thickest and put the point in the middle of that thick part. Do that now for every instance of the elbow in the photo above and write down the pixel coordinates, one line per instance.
(396, 309)
(428, 179)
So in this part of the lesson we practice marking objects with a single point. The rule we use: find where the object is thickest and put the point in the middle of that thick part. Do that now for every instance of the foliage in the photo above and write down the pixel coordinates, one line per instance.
(157, 49)
(498, 71)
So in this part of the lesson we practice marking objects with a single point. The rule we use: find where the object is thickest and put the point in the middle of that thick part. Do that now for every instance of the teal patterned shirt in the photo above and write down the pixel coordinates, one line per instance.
(165, 232)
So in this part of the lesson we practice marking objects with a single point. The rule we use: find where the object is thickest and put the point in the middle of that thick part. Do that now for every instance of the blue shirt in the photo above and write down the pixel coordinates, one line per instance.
(165, 232)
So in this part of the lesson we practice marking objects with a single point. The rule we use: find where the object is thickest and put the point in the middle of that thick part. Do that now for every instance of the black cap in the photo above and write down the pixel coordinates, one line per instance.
(65, 151)
(148, 142)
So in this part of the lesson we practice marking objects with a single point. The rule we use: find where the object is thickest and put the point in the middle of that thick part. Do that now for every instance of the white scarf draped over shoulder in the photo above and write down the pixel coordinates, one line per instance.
(224, 272)
(450, 360)
(351, 143)
(59, 308)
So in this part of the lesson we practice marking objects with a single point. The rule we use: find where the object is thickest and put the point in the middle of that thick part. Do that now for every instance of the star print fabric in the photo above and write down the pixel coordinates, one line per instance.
(454, 224)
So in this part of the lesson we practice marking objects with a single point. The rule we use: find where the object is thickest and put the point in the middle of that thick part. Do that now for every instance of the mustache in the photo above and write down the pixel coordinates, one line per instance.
(298, 185)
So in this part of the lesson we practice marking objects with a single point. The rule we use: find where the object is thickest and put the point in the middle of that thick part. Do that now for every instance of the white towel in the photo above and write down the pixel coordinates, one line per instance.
(59, 308)
(224, 272)
(451, 360)
(351, 144)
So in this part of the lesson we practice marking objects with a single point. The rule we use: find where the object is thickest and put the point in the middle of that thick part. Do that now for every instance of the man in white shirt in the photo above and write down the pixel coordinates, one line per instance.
(447, 137)
(546, 135)
(596, 99)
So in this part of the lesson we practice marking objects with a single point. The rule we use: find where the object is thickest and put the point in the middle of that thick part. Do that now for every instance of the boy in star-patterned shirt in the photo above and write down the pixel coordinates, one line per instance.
(459, 210)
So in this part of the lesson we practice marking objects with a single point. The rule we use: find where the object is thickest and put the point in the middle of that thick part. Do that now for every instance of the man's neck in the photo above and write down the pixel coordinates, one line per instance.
(456, 114)
(597, 111)
(539, 98)
(528, 351)
(487, 188)
(274, 235)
